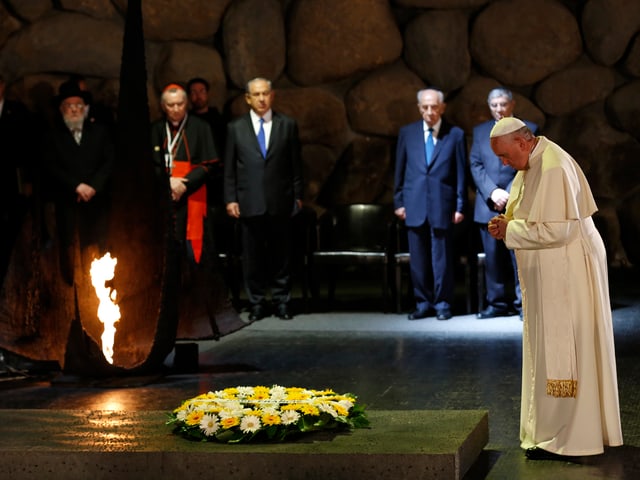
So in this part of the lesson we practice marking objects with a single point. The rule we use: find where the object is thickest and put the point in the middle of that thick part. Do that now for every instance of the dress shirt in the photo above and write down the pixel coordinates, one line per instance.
(434, 133)
(255, 119)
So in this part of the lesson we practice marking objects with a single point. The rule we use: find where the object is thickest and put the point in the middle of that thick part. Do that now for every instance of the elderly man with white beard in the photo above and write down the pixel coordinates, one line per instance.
(79, 158)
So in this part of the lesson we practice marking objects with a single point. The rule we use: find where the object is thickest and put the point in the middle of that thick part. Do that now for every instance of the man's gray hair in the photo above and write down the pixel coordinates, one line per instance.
(247, 87)
(172, 89)
(439, 92)
(499, 92)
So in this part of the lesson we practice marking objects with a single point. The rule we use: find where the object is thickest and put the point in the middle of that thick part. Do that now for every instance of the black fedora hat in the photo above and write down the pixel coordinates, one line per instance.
(70, 89)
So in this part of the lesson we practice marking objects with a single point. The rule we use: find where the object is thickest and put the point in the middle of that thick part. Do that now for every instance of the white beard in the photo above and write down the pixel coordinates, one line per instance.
(73, 124)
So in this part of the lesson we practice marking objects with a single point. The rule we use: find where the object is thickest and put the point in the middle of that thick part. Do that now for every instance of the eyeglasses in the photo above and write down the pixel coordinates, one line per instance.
(70, 106)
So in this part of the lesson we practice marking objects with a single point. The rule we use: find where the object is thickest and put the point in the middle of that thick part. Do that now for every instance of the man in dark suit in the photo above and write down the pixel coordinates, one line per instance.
(263, 188)
(430, 196)
(493, 182)
(79, 158)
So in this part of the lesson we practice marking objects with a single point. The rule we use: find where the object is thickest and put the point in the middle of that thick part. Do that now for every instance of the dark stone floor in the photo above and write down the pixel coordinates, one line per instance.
(389, 362)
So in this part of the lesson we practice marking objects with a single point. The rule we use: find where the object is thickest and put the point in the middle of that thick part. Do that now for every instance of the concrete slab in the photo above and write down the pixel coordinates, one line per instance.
(72, 444)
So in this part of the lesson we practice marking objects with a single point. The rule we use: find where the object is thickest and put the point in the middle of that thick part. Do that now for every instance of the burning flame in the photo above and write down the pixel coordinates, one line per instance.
(103, 270)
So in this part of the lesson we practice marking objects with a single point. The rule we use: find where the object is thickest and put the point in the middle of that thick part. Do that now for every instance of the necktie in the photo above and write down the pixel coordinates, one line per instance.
(262, 141)
(77, 135)
(429, 146)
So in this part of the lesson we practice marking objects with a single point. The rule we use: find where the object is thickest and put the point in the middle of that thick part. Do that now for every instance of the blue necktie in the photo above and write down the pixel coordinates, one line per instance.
(262, 140)
(429, 146)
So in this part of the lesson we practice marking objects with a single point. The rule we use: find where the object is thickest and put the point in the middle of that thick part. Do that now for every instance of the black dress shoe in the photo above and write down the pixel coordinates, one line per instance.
(536, 453)
(418, 315)
(257, 313)
(492, 312)
(444, 314)
(283, 312)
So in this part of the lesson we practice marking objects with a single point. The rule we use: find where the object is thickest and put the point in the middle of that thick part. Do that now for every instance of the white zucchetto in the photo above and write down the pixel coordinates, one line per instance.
(505, 126)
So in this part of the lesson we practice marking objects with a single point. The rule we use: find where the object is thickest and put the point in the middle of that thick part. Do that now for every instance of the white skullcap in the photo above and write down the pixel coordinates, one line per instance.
(506, 125)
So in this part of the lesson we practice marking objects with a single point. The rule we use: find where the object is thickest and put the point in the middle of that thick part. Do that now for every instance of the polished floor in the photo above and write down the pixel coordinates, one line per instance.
(388, 361)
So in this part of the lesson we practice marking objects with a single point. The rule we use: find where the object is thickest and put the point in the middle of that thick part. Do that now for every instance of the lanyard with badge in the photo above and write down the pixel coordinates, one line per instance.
(172, 144)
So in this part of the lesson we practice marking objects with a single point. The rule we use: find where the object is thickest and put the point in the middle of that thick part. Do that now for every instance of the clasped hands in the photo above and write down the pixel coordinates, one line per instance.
(497, 227)
(178, 187)
(84, 192)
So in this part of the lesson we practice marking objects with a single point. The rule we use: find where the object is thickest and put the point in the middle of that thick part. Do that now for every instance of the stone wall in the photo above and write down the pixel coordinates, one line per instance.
(348, 70)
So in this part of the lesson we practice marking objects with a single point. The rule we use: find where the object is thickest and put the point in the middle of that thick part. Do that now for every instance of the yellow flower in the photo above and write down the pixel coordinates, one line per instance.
(193, 418)
(229, 422)
(323, 392)
(182, 407)
(340, 410)
(271, 419)
(261, 393)
(230, 393)
(307, 409)
(290, 406)
(299, 394)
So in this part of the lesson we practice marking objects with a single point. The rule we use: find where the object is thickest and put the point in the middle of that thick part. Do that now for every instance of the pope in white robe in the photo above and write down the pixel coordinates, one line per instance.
(569, 402)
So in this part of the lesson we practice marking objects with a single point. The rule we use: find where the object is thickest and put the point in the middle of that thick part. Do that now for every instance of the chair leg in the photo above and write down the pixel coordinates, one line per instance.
(385, 288)
(398, 275)
(331, 294)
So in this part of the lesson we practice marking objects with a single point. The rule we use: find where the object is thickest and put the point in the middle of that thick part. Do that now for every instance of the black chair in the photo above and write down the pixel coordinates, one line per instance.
(304, 242)
(354, 235)
(400, 259)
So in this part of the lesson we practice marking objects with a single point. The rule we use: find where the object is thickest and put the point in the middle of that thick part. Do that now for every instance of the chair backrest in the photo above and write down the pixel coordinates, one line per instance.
(357, 227)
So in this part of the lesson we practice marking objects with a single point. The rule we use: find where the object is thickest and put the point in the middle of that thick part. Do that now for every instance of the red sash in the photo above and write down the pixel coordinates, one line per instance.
(196, 209)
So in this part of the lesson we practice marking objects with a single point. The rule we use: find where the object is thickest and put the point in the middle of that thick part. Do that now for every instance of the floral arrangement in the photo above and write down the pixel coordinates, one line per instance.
(244, 414)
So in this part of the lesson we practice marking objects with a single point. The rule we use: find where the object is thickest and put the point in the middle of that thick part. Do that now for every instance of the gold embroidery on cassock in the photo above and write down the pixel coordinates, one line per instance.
(562, 388)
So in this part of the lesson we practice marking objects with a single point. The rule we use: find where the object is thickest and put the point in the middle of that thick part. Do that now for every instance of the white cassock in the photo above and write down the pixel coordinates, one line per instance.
(569, 400)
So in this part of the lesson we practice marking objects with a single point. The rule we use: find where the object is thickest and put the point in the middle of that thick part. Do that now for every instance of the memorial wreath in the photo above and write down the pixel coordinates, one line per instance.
(245, 414)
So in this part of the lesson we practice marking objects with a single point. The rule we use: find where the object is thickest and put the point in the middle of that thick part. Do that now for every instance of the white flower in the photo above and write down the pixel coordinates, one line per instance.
(233, 408)
(270, 408)
(346, 404)
(289, 416)
(327, 408)
(250, 424)
(182, 415)
(209, 424)
(278, 393)
(245, 391)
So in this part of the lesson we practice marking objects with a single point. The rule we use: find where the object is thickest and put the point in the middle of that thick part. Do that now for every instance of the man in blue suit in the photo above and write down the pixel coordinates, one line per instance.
(430, 196)
(493, 182)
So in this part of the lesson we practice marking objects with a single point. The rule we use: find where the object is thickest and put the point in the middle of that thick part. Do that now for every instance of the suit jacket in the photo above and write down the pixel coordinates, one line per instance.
(70, 164)
(488, 171)
(431, 193)
(263, 185)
